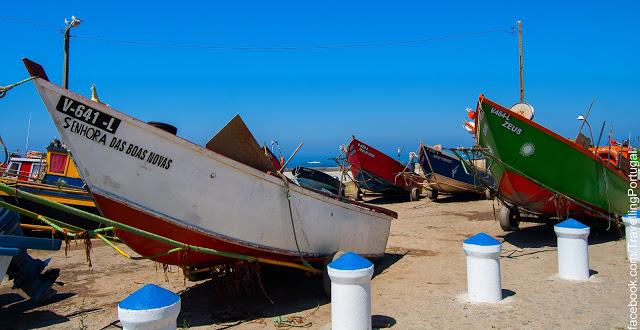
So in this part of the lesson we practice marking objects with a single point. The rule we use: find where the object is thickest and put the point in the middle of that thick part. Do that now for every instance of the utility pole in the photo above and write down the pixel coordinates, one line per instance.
(521, 61)
(75, 22)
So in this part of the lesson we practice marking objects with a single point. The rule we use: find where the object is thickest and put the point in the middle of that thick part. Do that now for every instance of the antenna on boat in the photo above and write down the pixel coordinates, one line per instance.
(520, 53)
(26, 147)
(601, 131)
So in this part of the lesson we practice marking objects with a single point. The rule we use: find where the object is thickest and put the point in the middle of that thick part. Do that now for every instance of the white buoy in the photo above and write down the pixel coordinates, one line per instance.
(151, 307)
(573, 254)
(632, 236)
(350, 292)
(483, 268)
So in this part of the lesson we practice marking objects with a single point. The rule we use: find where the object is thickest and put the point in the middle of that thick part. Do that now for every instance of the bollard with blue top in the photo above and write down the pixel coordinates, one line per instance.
(151, 307)
(483, 268)
(573, 254)
(632, 236)
(350, 292)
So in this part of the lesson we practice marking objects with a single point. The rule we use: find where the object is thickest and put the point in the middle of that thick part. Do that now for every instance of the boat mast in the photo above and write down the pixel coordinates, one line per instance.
(521, 61)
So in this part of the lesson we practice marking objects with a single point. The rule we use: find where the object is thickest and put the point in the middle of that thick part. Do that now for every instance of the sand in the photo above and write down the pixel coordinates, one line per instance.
(419, 284)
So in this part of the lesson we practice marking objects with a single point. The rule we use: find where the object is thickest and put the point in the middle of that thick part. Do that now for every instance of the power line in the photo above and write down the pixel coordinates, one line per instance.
(298, 48)
(388, 43)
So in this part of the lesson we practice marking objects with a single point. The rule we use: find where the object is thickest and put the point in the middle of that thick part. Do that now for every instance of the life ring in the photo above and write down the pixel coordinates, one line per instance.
(609, 154)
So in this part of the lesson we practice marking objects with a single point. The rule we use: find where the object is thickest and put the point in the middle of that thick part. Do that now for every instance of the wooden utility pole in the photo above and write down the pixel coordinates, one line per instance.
(521, 61)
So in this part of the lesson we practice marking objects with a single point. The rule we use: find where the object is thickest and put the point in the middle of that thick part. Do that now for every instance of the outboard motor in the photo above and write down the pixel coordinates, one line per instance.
(26, 271)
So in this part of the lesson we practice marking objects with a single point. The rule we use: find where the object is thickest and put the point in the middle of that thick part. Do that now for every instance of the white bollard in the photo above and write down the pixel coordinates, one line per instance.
(632, 236)
(573, 254)
(151, 307)
(483, 268)
(350, 292)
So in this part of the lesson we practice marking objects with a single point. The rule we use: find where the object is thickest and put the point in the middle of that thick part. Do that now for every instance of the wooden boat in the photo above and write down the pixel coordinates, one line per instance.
(53, 176)
(314, 179)
(220, 196)
(540, 173)
(376, 172)
(447, 174)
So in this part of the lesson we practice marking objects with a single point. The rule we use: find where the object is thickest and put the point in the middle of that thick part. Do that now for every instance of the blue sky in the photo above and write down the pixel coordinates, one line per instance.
(387, 96)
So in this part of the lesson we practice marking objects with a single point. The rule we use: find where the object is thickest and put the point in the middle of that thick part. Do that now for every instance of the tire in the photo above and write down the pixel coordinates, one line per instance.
(414, 195)
(432, 194)
(326, 280)
(359, 195)
(509, 218)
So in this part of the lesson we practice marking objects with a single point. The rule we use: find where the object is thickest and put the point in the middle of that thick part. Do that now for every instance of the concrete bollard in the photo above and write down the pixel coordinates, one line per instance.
(483, 268)
(151, 307)
(632, 236)
(573, 254)
(350, 292)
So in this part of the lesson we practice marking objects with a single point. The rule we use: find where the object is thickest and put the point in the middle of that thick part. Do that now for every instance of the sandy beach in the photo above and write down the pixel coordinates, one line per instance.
(419, 284)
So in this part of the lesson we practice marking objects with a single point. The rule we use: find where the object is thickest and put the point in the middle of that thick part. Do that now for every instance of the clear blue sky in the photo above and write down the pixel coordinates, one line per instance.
(388, 96)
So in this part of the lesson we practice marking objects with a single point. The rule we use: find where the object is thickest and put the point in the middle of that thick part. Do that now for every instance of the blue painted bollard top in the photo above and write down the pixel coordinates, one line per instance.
(481, 239)
(350, 261)
(573, 224)
(149, 296)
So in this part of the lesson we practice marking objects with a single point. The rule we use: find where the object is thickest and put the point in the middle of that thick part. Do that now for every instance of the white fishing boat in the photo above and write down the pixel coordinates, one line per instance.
(226, 196)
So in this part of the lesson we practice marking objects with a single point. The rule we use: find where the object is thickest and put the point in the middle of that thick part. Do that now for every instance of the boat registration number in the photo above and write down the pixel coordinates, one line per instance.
(506, 124)
(88, 115)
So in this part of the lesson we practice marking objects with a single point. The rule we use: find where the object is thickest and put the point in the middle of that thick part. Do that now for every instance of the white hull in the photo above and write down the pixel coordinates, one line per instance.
(203, 191)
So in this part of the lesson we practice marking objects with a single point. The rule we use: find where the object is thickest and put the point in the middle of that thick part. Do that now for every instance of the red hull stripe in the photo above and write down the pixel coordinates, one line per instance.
(531, 196)
(147, 247)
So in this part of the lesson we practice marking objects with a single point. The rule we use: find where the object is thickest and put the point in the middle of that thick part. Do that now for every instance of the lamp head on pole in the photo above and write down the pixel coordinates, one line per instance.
(74, 22)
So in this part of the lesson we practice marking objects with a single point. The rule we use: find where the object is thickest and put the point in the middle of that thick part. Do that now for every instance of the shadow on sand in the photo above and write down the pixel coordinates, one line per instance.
(18, 312)
(543, 236)
(285, 292)
(457, 198)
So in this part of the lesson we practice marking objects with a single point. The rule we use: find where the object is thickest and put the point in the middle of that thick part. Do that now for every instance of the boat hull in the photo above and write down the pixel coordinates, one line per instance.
(541, 172)
(197, 196)
(376, 172)
(447, 174)
(76, 198)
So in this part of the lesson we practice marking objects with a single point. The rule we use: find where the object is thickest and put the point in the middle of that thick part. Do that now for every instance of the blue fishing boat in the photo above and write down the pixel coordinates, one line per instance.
(314, 179)
(447, 174)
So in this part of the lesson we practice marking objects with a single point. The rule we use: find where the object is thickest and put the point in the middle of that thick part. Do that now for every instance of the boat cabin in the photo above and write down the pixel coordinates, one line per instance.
(60, 169)
(24, 168)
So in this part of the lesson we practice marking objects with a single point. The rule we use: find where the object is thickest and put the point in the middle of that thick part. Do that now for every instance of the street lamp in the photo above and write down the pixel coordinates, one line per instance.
(74, 22)
(585, 121)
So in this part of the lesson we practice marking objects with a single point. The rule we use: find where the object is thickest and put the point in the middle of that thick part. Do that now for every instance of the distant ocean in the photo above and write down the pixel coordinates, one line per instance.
(312, 161)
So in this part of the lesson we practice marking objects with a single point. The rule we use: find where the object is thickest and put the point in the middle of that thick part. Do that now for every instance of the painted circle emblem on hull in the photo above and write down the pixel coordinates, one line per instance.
(527, 149)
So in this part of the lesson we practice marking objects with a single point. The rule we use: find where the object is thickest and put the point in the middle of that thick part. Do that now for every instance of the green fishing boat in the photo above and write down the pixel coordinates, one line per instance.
(546, 177)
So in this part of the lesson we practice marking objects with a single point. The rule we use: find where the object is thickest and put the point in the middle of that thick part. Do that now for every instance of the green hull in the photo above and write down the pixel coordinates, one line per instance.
(542, 172)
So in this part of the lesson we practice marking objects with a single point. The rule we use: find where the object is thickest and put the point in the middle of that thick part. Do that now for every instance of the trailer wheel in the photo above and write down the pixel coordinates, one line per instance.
(509, 218)
(432, 194)
(326, 280)
(414, 195)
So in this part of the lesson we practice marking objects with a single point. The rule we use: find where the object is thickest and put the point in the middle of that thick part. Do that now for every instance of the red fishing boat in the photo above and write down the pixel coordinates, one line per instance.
(376, 172)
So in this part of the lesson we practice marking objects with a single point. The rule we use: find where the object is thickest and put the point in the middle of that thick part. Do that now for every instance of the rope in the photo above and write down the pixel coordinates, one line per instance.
(293, 226)
(5, 89)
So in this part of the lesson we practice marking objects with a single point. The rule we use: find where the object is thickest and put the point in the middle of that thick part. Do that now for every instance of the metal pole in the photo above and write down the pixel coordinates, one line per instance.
(521, 61)
(65, 68)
